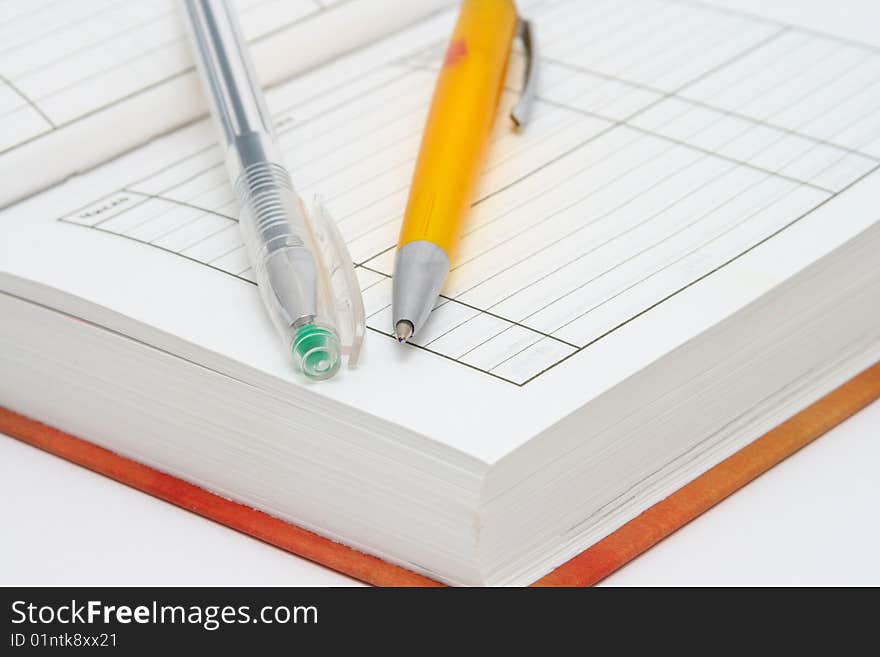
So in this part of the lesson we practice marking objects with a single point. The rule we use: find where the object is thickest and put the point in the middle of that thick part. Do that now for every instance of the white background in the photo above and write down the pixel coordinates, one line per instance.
(811, 520)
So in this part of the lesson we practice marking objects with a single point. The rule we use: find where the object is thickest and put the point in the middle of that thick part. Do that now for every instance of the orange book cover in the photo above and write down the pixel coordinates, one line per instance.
(589, 567)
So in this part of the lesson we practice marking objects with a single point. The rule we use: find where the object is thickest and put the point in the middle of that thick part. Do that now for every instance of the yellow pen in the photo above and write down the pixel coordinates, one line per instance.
(451, 154)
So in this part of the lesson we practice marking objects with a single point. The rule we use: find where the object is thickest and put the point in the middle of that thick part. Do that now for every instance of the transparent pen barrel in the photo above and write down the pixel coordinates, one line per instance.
(281, 250)
(281, 241)
(274, 227)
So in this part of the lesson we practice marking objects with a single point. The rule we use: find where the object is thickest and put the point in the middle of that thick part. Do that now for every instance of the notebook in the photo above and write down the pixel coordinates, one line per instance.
(671, 259)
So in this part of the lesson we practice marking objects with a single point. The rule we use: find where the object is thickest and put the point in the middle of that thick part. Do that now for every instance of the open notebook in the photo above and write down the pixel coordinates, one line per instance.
(673, 257)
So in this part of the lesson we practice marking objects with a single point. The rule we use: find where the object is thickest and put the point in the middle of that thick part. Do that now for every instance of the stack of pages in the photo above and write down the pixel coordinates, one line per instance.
(675, 255)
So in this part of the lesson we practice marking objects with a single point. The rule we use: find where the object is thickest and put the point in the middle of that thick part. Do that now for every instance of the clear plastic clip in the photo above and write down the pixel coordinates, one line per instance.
(339, 285)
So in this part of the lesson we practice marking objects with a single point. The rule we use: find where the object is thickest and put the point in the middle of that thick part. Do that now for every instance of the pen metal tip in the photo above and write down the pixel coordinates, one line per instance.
(403, 330)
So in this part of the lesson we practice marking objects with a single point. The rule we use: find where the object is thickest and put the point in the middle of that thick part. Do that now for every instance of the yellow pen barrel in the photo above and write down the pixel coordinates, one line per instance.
(457, 130)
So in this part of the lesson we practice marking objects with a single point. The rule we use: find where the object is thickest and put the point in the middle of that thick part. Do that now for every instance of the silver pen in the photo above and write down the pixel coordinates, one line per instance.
(303, 269)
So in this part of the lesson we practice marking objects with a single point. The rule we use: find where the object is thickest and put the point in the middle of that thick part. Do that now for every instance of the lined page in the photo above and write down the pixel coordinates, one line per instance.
(62, 60)
(668, 139)
(82, 81)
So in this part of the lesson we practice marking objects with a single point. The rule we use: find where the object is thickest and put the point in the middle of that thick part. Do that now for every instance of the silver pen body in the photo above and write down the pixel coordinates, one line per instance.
(272, 218)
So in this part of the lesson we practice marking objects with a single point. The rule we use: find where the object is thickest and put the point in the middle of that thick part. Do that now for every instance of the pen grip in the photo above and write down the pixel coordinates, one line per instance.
(275, 231)
(459, 123)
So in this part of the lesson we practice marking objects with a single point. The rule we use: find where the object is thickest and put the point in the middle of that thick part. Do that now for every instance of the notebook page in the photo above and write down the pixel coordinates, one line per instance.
(61, 61)
(62, 64)
(615, 226)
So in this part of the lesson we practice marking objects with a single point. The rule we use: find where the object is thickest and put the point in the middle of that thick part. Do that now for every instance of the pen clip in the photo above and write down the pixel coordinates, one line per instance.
(523, 108)
(338, 280)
